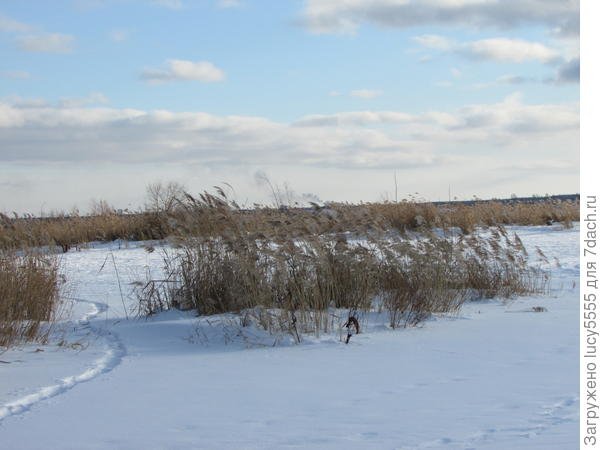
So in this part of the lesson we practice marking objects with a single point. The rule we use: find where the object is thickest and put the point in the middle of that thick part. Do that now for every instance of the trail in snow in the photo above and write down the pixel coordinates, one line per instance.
(98, 289)
(113, 354)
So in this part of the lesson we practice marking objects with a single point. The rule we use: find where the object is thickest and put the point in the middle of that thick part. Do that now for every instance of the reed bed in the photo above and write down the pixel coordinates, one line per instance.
(68, 231)
(294, 271)
(170, 213)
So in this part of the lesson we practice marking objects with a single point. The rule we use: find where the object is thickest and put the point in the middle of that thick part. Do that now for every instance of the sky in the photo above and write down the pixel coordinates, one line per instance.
(337, 100)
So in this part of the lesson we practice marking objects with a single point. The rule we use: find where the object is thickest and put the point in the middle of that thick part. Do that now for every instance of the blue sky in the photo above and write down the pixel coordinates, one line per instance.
(98, 98)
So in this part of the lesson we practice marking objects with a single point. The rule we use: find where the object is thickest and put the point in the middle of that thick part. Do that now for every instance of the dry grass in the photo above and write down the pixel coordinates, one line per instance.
(291, 270)
(467, 217)
(70, 230)
(29, 293)
(169, 210)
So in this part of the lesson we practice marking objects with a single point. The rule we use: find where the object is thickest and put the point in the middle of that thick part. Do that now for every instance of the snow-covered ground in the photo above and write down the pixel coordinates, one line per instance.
(498, 376)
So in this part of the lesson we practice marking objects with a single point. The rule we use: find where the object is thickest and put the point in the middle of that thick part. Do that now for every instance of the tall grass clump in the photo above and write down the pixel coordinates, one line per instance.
(29, 297)
(282, 272)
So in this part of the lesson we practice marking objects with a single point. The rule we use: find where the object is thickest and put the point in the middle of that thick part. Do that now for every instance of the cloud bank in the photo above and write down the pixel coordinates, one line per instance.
(347, 140)
(345, 16)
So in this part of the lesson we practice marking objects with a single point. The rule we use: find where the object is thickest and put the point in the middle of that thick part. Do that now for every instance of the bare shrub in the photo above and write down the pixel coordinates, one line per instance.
(164, 197)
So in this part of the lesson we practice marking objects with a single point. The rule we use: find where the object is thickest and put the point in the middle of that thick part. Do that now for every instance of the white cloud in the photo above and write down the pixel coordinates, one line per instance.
(32, 39)
(508, 123)
(509, 50)
(366, 93)
(46, 43)
(356, 118)
(8, 25)
(496, 49)
(435, 41)
(345, 16)
(177, 69)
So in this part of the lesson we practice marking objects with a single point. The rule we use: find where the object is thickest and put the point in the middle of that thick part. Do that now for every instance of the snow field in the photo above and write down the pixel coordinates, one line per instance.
(497, 376)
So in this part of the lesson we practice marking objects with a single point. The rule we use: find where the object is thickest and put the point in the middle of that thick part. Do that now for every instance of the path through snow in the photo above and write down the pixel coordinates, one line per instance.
(113, 353)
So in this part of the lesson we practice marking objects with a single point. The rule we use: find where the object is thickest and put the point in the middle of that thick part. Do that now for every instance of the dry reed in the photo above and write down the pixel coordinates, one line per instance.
(29, 293)
(169, 211)
(290, 270)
